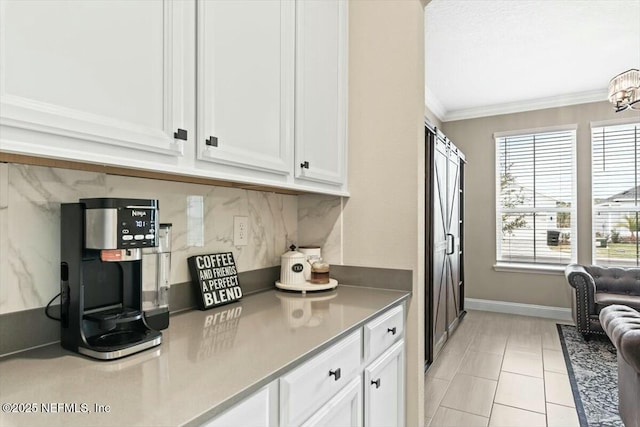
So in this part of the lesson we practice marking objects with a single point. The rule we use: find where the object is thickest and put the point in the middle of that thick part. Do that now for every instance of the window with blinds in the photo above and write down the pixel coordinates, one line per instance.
(536, 198)
(614, 192)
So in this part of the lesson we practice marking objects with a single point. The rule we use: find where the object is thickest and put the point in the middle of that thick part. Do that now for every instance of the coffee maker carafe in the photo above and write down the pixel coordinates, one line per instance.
(101, 276)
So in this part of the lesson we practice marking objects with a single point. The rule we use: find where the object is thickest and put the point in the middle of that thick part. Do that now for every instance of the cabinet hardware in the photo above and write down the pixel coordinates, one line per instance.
(336, 374)
(304, 165)
(212, 141)
(180, 134)
(392, 330)
(376, 383)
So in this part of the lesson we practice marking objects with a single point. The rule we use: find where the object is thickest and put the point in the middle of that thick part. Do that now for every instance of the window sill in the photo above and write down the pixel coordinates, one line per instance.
(529, 268)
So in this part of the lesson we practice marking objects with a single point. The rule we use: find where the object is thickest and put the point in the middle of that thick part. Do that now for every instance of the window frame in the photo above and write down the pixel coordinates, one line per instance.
(594, 211)
(538, 267)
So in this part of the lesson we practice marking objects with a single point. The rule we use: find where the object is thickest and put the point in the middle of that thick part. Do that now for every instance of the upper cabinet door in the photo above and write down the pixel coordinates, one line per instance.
(321, 90)
(245, 83)
(106, 72)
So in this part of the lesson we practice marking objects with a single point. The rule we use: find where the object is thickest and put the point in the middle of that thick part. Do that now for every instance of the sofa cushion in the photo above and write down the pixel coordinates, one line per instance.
(622, 325)
(615, 279)
(605, 298)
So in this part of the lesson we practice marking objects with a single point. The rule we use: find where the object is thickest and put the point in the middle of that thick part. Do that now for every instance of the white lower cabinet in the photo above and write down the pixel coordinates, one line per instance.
(343, 410)
(338, 387)
(305, 389)
(384, 389)
(258, 410)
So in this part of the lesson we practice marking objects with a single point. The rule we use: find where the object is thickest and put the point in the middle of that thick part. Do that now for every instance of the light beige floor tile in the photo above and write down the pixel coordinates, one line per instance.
(551, 340)
(561, 416)
(525, 341)
(506, 416)
(495, 324)
(554, 361)
(427, 422)
(458, 342)
(522, 362)
(558, 389)
(470, 394)
(447, 417)
(521, 391)
(481, 364)
(434, 390)
(489, 343)
(446, 365)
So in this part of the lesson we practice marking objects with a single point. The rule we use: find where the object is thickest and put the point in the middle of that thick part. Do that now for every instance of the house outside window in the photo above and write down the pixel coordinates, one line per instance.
(536, 197)
(615, 193)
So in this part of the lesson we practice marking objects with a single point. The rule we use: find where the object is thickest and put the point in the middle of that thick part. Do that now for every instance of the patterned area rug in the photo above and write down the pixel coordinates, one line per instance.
(593, 372)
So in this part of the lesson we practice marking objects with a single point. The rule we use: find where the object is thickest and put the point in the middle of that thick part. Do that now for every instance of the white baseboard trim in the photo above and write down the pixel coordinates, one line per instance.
(558, 313)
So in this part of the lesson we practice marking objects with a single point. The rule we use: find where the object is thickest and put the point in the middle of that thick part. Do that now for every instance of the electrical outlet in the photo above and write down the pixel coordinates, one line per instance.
(240, 230)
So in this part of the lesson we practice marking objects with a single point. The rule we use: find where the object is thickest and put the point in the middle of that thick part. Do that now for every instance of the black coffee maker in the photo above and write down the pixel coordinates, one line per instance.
(101, 276)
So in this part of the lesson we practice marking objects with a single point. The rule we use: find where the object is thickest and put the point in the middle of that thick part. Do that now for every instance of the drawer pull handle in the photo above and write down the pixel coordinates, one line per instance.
(336, 374)
(212, 141)
(392, 330)
(376, 383)
(180, 134)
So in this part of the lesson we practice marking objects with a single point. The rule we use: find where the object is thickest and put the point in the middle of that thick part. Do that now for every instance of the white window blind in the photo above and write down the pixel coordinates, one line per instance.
(614, 181)
(536, 198)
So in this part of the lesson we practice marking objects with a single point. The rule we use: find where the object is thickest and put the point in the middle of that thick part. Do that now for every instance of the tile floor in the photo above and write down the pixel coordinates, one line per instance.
(500, 370)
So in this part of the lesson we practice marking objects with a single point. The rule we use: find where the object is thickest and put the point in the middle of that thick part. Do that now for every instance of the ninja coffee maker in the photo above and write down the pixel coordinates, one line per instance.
(102, 242)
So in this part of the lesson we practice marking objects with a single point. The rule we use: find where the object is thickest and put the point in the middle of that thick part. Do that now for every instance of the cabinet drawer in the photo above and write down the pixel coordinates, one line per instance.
(382, 332)
(306, 388)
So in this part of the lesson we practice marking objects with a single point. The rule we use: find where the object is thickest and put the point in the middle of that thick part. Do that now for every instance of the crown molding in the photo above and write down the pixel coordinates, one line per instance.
(530, 105)
(433, 104)
(436, 107)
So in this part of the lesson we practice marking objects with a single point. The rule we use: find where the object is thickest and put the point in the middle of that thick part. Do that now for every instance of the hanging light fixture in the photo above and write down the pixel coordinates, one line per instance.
(624, 90)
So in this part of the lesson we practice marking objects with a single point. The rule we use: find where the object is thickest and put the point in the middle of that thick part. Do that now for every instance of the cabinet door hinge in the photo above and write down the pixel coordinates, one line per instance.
(212, 141)
(180, 134)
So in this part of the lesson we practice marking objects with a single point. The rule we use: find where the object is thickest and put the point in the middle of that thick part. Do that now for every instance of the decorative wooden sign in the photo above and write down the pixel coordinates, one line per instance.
(216, 279)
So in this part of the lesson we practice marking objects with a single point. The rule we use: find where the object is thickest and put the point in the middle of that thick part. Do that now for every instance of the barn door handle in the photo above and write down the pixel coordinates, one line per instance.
(450, 243)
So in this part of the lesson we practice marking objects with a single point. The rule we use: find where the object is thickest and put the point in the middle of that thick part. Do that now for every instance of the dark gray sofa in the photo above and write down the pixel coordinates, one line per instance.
(594, 287)
(622, 325)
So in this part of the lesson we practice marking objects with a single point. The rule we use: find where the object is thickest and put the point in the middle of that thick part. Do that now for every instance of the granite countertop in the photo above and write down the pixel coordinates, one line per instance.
(208, 361)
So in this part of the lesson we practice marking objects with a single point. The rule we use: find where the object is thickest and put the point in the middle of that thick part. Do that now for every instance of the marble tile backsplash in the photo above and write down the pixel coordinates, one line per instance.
(320, 224)
(30, 198)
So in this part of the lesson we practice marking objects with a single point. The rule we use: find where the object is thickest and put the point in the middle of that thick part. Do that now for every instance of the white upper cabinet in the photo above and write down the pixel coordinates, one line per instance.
(321, 91)
(94, 74)
(248, 91)
(245, 86)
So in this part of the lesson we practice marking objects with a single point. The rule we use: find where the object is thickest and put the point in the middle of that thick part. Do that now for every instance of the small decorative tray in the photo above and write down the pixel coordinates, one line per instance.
(308, 286)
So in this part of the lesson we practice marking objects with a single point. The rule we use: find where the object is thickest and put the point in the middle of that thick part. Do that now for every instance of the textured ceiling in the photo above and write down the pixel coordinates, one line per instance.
(509, 55)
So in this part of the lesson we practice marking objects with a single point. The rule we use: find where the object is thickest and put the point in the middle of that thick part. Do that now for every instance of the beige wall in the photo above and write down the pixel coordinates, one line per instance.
(382, 219)
(475, 138)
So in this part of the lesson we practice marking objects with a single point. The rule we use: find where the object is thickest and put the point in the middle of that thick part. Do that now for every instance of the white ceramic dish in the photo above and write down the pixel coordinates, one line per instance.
(307, 286)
